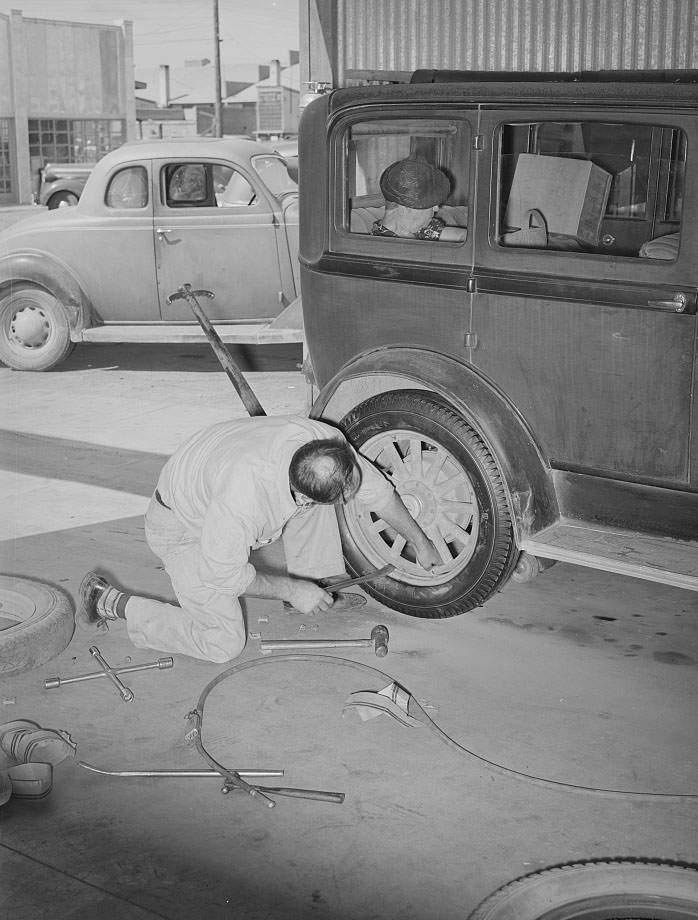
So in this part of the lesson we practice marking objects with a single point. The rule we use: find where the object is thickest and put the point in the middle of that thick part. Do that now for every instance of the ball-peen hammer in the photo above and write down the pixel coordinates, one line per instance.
(378, 640)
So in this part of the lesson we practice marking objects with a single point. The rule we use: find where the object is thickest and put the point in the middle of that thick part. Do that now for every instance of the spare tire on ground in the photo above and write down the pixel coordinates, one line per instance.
(37, 622)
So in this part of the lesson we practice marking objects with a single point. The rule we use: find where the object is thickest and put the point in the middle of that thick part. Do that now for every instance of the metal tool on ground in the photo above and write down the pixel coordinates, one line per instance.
(332, 587)
(127, 694)
(318, 795)
(199, 774)
(378, 640)
(162, 664)
(235, 376)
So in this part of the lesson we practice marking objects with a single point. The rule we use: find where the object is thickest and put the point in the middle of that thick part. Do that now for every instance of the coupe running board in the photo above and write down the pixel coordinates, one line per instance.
(156, 333)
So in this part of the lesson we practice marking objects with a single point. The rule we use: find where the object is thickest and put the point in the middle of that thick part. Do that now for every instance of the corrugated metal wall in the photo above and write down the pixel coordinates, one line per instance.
(404, 35)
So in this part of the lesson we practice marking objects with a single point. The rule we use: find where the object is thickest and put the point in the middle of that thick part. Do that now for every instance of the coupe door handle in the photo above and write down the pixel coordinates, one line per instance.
(678, 304)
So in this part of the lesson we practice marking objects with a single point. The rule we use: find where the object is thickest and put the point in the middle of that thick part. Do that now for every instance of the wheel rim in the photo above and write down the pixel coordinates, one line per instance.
(437, 492)
(30, 326)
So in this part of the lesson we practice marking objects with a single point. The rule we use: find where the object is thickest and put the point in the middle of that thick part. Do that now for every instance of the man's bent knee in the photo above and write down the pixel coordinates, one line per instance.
(224, 648)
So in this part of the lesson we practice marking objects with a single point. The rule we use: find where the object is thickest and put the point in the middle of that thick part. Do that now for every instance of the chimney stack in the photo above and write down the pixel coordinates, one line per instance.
(276, 72)
(164, 92)
(262, 72)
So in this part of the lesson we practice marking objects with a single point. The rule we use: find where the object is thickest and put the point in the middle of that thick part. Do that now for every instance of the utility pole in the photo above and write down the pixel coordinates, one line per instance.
(218, 120)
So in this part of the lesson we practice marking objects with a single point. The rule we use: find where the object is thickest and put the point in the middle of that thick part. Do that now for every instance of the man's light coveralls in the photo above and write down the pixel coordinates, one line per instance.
(227, 492)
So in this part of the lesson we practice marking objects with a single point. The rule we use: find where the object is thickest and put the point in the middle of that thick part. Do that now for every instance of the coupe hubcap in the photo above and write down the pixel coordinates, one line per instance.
(30, 327)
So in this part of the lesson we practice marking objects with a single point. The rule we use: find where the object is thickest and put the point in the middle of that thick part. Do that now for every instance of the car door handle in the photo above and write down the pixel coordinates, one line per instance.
(162, 233)
(678, 304)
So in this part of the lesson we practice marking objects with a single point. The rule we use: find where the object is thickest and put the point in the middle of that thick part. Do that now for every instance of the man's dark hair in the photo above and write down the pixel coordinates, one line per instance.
(324, 470)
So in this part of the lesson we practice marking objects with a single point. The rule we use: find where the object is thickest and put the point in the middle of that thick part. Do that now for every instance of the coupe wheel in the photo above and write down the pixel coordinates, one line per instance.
(62, 200)
(34, 332)
(450, 483)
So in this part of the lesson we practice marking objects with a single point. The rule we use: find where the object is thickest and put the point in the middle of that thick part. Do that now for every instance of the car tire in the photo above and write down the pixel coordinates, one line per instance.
(62, 200)
(598, 890)
(37, 622)
(454, 490)
(34, 330)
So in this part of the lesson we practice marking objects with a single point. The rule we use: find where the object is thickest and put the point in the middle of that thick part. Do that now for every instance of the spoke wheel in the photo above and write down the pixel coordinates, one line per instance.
(450, 483)
(437, 492)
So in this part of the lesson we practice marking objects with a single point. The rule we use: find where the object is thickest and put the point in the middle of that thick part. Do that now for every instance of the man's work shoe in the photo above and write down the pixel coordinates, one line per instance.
(93, 613)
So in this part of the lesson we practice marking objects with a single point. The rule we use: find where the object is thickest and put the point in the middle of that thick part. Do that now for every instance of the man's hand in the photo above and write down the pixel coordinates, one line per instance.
(427, 555)
(307, 597)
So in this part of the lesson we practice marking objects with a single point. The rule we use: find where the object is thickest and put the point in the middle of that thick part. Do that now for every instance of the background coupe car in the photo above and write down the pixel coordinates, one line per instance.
(219, 214)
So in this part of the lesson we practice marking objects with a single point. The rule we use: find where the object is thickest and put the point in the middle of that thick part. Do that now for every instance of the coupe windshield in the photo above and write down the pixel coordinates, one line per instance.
(274, 173)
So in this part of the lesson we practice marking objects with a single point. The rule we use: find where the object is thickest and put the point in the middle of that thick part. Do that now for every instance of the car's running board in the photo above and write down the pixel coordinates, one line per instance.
(156, 333)
(660, 559)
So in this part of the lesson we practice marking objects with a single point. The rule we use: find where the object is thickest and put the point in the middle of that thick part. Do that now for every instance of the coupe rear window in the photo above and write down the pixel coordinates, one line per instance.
(128, 189)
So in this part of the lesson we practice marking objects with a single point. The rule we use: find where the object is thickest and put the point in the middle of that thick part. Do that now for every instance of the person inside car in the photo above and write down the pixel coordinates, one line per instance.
(413, 191)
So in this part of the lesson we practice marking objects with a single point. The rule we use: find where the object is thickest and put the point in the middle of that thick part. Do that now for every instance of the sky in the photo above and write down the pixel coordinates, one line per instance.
(173, 32)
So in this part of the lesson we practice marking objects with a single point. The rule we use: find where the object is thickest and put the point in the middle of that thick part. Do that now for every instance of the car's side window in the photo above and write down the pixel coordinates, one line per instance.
(186, 186)
(232, 188)
(128, 188)
(408, 179)
(591, 187)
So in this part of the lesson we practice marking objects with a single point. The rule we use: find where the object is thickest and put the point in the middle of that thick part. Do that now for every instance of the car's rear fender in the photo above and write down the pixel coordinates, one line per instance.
(521, 463)
(48, 272)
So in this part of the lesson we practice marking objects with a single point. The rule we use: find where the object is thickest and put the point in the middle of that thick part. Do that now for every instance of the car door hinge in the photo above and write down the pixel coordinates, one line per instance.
(471, 286)
(478, 142)
(470, 339)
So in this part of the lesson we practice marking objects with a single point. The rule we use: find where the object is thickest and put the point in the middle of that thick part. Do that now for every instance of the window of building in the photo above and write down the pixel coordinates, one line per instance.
(442, 145)
(74, 140)
(591, 187)
(5, 160)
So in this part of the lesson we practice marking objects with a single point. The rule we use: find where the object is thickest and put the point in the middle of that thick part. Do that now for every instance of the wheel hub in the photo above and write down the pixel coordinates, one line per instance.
(30, 328)
(419, 501)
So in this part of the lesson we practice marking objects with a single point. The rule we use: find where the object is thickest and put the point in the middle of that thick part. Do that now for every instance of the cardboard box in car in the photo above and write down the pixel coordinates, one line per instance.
(570, 194)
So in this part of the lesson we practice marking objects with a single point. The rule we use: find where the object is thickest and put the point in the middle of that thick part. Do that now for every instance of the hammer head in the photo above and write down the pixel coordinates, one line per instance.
(380, 636)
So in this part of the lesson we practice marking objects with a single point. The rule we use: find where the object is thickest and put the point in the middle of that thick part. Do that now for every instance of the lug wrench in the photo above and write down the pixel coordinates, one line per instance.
(127, 695)
(53, 683)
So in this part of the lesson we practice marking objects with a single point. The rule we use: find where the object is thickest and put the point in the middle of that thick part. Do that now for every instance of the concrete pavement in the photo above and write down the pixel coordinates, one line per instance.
(580, 678)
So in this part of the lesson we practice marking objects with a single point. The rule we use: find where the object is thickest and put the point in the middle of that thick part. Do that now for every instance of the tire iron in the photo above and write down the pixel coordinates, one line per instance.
(126, 694)
(162, 664)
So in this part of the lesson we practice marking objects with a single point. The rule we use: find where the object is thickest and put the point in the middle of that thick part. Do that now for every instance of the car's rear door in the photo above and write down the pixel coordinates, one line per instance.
(113, 246)
(593, 342)
(216, 229)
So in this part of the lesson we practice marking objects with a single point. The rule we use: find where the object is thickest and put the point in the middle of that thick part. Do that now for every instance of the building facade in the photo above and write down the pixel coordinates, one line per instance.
(347, 42)
(66, 95)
